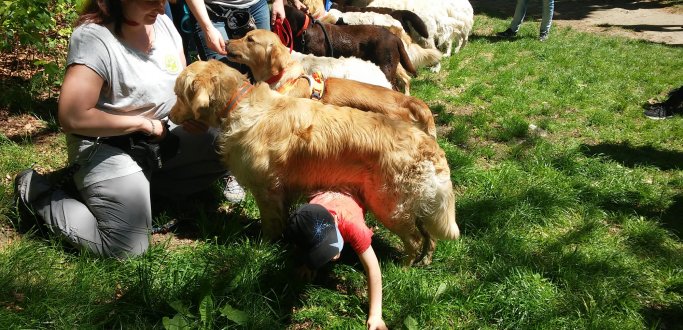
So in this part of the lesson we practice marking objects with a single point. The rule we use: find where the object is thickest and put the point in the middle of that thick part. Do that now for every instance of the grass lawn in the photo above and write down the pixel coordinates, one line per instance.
(570, 203)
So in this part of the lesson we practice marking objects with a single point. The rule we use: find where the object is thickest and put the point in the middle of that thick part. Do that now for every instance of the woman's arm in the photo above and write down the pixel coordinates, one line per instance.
(214, 39)
(374, 275)
(77, 112)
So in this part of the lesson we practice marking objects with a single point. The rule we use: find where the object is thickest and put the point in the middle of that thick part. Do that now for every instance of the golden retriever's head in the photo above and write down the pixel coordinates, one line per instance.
(203, 89)
(262, 51)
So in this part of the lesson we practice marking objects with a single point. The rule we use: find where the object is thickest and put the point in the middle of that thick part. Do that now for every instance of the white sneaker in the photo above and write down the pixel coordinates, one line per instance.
(233, 192)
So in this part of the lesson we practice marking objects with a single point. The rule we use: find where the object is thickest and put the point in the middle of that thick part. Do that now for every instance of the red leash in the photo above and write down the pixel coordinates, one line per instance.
(284, 31)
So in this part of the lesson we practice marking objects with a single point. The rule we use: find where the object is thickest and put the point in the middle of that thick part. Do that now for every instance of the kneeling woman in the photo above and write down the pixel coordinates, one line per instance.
(124, 57)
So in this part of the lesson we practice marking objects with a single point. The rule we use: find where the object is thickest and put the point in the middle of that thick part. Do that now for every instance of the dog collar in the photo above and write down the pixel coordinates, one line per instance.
(307, 22)
(235, 99)
(275, 78)
(317, 83)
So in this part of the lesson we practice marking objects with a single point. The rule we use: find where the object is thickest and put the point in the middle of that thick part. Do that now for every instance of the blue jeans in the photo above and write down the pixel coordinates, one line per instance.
(520, 12)
(261, 13)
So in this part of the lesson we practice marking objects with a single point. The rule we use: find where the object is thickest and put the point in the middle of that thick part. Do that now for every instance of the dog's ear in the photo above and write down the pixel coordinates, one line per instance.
(201, 101)
(276, 60)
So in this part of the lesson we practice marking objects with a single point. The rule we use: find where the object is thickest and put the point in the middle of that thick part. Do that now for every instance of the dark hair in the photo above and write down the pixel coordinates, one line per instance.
(102, 12)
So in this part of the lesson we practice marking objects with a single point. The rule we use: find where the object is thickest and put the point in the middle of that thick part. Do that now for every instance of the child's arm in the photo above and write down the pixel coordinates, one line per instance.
(374, 275)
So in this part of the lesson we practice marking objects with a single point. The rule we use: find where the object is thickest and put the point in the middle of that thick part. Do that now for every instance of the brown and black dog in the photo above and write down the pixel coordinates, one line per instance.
(372, 43)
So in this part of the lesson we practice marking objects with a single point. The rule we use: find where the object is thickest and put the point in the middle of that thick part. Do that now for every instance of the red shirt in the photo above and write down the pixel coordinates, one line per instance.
(350, 217)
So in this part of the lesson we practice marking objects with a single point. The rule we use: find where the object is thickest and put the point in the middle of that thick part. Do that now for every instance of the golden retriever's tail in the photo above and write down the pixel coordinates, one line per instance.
(437, 214)
(443, 225)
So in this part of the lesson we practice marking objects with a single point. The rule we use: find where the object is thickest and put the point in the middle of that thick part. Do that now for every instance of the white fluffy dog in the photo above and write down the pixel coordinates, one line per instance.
(351, 68)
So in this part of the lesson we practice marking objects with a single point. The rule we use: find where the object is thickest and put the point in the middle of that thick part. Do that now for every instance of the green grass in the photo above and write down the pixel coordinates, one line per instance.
(573, 225)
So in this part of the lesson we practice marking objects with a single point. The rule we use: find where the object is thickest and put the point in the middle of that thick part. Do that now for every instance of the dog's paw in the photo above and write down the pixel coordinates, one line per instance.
(436, 68)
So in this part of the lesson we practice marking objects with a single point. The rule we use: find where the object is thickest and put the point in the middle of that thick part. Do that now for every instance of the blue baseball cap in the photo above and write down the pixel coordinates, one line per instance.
(312, 228)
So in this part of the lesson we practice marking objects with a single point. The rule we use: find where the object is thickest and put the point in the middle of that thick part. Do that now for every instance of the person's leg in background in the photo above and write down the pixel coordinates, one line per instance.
(261, 14)
(546, 21)
(520, 12)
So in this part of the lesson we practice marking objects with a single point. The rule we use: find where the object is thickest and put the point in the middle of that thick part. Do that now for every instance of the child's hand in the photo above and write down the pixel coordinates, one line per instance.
(376, 323)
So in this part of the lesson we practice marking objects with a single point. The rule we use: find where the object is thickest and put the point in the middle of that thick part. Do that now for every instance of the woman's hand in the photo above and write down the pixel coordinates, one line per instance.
(214, 40)
(157, 129)
(278, 11)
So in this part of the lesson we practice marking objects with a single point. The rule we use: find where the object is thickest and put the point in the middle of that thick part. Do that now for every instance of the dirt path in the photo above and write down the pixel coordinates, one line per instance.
(656, 21)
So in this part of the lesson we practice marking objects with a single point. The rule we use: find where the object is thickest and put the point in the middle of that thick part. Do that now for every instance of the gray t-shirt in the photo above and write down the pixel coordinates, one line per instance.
(135, 83)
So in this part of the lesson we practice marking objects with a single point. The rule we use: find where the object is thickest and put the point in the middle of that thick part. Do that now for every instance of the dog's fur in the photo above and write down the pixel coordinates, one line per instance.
(344, 67)
(449, 22)
(266, 57)
(279, 147)
(373, 43)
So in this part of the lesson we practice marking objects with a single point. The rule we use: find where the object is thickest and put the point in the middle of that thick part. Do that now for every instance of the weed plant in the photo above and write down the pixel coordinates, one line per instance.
(569, 200)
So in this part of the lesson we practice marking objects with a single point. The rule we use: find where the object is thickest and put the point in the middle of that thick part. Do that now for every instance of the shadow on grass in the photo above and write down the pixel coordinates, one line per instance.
(646, 27)
(632, 156)
(200, 217)
(664, 317)
(672, 218)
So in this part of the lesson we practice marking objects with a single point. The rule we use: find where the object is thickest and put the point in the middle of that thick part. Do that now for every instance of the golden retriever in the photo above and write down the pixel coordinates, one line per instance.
(279, 147)
(269, 60)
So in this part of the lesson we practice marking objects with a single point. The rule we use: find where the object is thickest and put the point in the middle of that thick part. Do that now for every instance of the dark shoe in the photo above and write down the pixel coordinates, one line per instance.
(29, 186)
(507, 33)
(543, 36)
(658, 111)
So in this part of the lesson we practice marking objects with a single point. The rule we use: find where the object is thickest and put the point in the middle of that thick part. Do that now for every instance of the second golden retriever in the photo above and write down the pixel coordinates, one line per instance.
(269, 60)
(279, 147)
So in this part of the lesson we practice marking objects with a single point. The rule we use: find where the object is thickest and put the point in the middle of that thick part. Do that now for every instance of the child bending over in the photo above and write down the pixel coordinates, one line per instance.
(320, 229)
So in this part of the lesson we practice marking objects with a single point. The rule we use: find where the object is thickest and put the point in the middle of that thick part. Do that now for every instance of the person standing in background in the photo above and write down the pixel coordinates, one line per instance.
(520, 12)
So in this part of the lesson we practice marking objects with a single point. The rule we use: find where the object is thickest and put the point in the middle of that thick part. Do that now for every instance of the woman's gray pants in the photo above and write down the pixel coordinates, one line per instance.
(113, 217)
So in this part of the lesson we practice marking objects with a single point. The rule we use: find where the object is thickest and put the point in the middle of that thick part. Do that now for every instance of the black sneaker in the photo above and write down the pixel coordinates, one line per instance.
(658, 111)
(28, 220)
(543, 36)
(507, 33)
